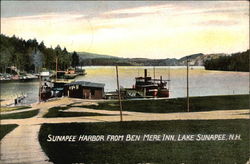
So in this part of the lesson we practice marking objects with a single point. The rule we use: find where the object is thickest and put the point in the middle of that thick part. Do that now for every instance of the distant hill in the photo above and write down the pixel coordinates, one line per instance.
(87, 58)
(199, 59)
(193, 59)
(88, 55)
(105, 60)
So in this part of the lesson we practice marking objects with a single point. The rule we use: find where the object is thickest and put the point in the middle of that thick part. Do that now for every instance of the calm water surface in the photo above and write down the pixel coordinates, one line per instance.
(201, 82)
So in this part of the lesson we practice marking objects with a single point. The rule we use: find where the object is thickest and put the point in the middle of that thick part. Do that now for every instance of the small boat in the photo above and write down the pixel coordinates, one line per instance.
(70, 73)
(64, 75)
(19, 99)
(80, 71)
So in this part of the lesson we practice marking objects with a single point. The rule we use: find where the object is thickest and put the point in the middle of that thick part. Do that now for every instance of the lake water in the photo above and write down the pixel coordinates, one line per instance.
(201, 82)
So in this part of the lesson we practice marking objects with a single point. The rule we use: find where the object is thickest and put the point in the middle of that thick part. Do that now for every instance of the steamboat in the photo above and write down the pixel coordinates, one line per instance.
(144, 87)
(148, 87)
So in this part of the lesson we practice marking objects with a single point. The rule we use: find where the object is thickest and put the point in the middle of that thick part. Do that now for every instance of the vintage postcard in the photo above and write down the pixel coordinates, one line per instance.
(124, 82)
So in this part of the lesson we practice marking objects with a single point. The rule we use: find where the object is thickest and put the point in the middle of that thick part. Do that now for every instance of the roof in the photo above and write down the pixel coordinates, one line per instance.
(86, 84)
(44, 73)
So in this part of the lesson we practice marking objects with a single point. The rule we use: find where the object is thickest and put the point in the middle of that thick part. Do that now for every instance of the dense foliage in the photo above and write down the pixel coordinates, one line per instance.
(31, 56)
(235, 62)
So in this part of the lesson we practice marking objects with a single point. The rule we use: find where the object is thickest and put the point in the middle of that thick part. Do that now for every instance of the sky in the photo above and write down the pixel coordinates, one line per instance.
(133, 29)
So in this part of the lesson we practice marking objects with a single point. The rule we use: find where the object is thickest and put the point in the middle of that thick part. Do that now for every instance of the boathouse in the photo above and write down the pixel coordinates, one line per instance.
(84, 89)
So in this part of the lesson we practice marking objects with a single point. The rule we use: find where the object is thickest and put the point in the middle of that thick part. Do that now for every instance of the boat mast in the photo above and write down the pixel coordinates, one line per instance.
(56, 67)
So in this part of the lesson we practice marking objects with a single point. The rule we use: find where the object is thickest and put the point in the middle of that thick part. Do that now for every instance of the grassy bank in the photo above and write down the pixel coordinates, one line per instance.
(5, 129)
(20, 115)
(59, 112)
(7, 109)
(206, 103)
(148, 152)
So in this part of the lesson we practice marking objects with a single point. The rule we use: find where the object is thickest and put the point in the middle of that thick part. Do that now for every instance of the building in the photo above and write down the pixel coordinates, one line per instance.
(84, 89)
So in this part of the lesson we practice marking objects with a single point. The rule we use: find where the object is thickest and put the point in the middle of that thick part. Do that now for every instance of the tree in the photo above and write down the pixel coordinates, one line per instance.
(75, 59)
(41, 46)
(66, 58)
(30, 55)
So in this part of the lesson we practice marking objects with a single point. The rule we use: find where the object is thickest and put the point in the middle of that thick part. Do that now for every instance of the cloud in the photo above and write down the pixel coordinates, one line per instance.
(138, 11)
(124, 15)
(47, 16)
(127, 28)
(180, 8)
(94, 8)
(144, 9)
(219, 23)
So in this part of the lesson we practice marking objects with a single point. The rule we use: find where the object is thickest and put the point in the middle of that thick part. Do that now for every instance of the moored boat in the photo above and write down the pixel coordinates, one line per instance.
(147, 87)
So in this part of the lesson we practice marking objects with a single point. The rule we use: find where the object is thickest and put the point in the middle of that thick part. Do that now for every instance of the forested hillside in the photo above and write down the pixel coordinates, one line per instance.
(31, 56)
(235, 62)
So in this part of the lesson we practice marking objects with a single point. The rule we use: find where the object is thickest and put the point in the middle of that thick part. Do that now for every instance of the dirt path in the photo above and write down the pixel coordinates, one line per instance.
(22, 145)
(134, 116)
